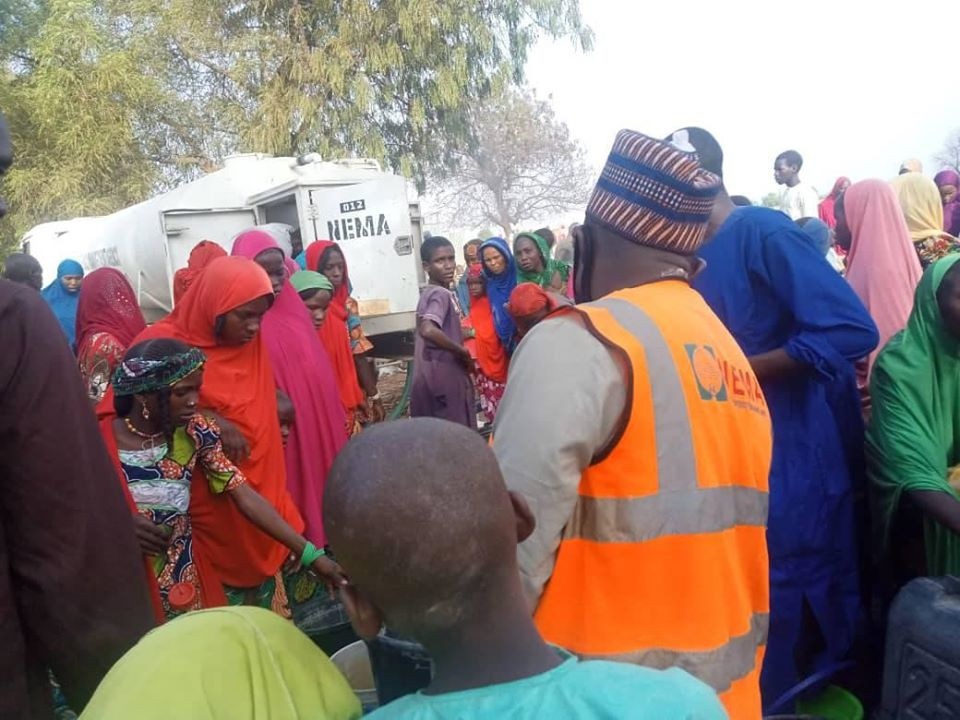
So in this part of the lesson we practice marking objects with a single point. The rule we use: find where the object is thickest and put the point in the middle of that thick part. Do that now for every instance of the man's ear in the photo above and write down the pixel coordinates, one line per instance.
(526, 522)
(365, 617)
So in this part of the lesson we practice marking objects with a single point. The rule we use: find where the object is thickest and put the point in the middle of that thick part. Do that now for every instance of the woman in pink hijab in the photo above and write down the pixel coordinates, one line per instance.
(882, 265)
(302, 370)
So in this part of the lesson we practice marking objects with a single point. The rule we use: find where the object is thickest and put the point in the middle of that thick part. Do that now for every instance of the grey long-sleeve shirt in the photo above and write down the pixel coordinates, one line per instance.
(565, 395)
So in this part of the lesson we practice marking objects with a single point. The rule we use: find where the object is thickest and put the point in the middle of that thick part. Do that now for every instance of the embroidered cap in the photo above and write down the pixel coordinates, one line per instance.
(139, 375)
(654, 194)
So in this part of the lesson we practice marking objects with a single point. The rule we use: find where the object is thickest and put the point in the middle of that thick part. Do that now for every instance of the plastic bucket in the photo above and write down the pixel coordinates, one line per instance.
(318, 614)
(353, 662)
(834, 703)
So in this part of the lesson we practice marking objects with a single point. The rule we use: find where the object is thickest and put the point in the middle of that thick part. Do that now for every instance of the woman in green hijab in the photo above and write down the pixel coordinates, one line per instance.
(912, 441)
(534, 264)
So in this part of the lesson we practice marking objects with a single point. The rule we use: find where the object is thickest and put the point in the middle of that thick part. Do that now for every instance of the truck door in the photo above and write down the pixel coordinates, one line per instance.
(185, 228)
(371, 222)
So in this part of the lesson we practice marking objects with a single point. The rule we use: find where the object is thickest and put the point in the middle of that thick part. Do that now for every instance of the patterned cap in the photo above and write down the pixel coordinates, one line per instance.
(653, 194)
(140, 375)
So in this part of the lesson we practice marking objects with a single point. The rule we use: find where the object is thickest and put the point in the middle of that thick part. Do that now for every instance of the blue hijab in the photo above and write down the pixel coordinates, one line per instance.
(499, 288)
(63, 302)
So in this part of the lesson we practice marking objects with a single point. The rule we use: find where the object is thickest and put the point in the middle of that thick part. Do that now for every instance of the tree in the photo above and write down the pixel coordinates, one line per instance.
(519, 164)
(771, 200)
(390, 80)
(949, 156)
(73, 95)
(157, 91)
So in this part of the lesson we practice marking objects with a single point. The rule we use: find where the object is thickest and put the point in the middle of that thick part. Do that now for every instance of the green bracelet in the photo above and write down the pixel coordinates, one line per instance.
(311, 553)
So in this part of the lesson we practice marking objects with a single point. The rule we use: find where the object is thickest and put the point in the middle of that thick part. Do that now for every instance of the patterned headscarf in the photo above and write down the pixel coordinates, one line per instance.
(140, 375)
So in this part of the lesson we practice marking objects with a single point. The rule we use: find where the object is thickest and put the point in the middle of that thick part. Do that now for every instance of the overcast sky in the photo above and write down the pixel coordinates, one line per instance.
(856, 87)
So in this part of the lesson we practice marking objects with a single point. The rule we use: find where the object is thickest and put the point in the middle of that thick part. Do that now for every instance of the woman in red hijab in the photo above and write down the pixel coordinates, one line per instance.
(202, 254)
(108, 319)
(221, 313)
(343, 338)
(827, 204)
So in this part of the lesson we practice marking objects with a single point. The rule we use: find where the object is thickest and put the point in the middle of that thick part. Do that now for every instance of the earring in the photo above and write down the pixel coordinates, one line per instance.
(145, 412)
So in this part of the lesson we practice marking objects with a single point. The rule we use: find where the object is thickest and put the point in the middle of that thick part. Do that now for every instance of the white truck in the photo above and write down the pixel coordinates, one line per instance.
(353, 202)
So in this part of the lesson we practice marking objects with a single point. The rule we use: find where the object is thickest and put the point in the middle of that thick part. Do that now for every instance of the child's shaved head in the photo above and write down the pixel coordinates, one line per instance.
(418, 516)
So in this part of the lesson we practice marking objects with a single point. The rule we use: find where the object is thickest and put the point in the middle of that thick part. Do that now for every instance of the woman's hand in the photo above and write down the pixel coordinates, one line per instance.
(153, 539)
(234, 443)
(466, 359)
(375, 410)
(329, 573)
(292, 565)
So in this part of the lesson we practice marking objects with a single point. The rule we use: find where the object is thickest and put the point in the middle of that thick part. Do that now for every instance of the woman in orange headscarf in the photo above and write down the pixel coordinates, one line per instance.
(202, 255)
(343, 338)
(220, 313)
(485, 345)
(530, 304)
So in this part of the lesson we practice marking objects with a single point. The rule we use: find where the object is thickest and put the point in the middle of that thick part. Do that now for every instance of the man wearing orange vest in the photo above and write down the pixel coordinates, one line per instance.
(639, 435)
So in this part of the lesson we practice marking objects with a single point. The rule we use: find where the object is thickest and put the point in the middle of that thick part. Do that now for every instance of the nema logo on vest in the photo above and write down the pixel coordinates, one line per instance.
(707, 371)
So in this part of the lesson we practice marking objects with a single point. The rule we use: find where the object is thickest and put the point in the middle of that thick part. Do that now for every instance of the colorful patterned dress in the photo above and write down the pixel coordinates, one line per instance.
(159, 479)
(934, 248)
(359, 345)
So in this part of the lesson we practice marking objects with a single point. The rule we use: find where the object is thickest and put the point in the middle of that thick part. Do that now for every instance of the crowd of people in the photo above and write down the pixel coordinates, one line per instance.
(722, 438)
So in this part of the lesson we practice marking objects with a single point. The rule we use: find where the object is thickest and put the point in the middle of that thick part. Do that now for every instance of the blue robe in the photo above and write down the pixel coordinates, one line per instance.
(772, 290)
(63, 302)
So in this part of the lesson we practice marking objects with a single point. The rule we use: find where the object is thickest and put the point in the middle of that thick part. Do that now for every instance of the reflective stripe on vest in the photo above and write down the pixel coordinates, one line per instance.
(718, 668)
(679, 507)
(680, 496)
(707, 510)
(675, 458)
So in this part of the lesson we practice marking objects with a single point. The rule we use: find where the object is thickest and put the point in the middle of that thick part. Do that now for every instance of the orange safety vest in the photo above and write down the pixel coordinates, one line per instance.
(664, 560)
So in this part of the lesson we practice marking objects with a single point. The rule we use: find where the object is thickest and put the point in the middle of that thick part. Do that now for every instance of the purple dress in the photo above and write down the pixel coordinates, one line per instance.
(441, 386)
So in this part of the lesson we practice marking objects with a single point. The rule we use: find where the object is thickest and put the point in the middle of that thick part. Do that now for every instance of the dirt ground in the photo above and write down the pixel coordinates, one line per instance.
(391, 382)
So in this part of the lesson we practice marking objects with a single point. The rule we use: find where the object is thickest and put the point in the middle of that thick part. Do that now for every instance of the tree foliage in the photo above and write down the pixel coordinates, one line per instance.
(80, 108)
(519, 165)
(949, 156)
(771, 200)
(112, 99)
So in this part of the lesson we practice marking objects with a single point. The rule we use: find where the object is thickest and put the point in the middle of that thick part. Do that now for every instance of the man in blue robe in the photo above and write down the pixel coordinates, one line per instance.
(802, 328)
